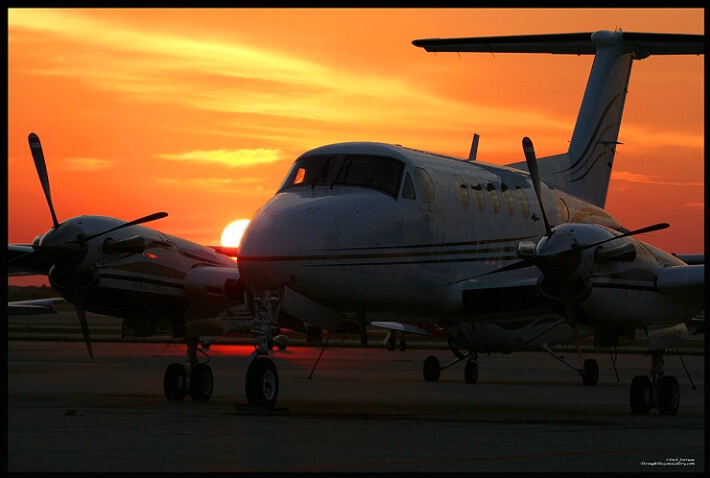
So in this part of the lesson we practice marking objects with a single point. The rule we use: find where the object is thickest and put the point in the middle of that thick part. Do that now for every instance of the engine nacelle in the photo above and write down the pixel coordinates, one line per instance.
(217, 282)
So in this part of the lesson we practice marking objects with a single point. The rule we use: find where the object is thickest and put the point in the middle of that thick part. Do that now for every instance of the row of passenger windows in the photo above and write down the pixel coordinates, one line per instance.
(511, 197)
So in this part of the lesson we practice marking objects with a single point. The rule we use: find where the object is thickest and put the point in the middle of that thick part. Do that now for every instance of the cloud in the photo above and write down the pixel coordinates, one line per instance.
(86, 164)
(248, 186)
(697, 206)
(233, 159)
(227, 76)
(629, 177)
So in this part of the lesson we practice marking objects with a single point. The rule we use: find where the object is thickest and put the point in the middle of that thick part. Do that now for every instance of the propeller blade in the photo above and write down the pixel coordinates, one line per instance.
(535, 176)
(38, 156)
(151, 217)
(643, 230)
(84, 325)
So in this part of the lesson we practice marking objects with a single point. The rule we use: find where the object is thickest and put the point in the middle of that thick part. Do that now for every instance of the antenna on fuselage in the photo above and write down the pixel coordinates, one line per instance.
(474, 147)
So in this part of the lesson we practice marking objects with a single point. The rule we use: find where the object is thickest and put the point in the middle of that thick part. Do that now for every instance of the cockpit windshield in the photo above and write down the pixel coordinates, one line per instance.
(375, 172)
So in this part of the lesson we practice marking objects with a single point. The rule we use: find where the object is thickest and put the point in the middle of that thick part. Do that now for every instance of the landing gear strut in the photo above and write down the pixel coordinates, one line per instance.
(589, 371)
(658, 391)
(193, 378)
(432, 367)
(262, 379)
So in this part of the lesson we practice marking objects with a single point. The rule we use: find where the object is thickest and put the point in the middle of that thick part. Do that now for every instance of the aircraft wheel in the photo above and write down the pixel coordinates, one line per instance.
(201, 382)
(590, 375)
(402, 345)
(391, 344)
(640, 395)
(432, 369)
(174, 382)
(262, 383)
(668, 395)
(470, 372)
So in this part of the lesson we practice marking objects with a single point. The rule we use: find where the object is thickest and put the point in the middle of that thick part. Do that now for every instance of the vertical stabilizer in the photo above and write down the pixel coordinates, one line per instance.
(586, 167)
(593, 145)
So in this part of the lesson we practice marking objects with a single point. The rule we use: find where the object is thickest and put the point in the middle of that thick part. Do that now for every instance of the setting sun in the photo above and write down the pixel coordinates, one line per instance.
(232, 235)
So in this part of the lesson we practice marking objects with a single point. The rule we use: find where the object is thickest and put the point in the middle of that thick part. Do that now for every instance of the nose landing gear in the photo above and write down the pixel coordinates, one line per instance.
(193, 378)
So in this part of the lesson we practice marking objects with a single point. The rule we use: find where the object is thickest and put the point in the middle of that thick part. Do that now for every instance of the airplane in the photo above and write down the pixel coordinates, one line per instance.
(155, 282)
(368, 230)
(103, 264)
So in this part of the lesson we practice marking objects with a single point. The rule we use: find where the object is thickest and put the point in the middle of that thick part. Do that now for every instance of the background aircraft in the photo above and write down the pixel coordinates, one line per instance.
(156, 282)
(370, 230)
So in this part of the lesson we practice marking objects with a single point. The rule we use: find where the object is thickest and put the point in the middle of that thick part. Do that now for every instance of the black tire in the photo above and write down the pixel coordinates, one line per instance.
(402, 345)
(640, 395)
(262, 383)
(470, 372)
(668, 395)
(590, 374)
(201, 382)
(391, 344)
(174, 382)
(432, 369)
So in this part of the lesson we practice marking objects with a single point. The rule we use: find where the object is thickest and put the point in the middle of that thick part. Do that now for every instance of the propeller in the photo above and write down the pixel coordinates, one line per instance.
(558, 254)
(531, 160)
(560, 257)
(65, 246)
(38, 156)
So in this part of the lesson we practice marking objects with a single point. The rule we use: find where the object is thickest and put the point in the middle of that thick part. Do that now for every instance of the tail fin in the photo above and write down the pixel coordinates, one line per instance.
(586, 167)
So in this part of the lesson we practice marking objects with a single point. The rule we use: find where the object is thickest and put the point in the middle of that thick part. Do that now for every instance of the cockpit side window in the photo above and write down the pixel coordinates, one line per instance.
(377, 172)
(408, 188)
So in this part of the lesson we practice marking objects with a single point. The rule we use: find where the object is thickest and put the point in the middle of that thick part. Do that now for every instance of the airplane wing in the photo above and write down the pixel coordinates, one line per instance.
(685, 281)
(227, 251)
(691, 259)
(33, 307)
(24, 260)
(399, 327)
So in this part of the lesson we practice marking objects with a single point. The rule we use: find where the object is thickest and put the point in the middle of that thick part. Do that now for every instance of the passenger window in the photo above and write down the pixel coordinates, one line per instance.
(522, 202)
(493, 196)
(408, 188)
(478, 194)
(508, 198)
(462, 191)
(424, 185)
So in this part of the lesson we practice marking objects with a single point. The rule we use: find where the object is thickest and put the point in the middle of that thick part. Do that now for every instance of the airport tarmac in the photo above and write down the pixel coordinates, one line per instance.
(363, 410)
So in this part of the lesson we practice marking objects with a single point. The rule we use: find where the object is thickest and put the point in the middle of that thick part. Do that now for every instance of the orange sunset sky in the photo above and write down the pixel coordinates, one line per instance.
(200, 112)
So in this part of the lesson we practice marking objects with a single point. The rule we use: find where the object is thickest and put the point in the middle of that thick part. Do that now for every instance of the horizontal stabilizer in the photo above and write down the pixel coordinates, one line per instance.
(641, 44)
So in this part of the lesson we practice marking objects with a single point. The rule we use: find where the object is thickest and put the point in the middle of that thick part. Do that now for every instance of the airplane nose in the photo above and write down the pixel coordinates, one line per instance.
(295, 235)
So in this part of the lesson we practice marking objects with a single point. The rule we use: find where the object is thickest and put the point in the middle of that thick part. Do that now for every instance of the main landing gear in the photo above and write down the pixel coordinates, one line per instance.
(432, 367)
(658, 391)
(193, 378)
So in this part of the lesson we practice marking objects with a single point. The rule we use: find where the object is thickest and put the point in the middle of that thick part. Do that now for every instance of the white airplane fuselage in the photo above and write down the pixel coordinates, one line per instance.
(383, 240)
